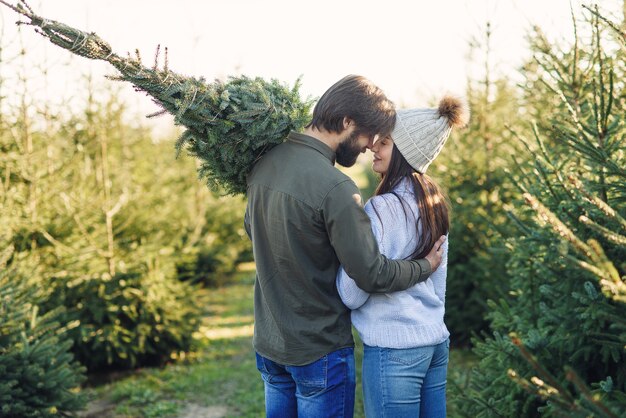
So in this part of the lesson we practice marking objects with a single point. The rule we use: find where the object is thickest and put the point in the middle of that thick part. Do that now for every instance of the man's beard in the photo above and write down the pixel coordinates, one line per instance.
(348, 151)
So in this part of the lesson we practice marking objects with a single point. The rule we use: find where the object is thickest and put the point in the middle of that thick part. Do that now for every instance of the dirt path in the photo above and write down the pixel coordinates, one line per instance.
(198, 411)
(105, 409)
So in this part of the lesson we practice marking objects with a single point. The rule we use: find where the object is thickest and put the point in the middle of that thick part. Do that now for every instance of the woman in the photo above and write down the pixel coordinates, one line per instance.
(406, 342)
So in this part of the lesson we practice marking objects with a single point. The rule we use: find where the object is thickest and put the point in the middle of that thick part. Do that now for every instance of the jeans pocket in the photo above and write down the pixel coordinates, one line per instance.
(260, 364)
(262, 368)
(270, 372)
(312, 378)
(409, 356)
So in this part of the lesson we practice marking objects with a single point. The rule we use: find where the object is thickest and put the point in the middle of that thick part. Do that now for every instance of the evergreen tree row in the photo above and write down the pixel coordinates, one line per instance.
(110, 240)
(556, 346)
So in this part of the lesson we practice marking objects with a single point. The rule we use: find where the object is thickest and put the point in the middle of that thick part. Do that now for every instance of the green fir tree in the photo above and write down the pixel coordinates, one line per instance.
(472, 167)
(229, 124)
(38, 374)
(557, 347)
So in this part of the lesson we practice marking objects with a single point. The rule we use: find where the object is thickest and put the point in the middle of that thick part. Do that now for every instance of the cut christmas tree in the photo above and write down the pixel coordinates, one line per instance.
(229, 124)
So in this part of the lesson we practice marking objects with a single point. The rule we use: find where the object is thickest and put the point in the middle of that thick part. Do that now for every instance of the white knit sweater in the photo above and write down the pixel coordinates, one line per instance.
(410, 318)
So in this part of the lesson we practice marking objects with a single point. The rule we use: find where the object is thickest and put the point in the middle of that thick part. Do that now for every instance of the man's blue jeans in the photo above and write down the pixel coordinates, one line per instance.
(405, 382)
(324, 388)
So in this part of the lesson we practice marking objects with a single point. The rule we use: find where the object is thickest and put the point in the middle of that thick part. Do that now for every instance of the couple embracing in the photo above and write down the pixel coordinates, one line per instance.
(325, 262)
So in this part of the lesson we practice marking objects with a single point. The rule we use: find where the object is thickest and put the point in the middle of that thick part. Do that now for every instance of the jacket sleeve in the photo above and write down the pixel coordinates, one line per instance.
(351, 294)
(246, 223)
(350, 233)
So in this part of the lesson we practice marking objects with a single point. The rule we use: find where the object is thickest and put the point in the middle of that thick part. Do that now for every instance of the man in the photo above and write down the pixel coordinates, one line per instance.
(305, 219)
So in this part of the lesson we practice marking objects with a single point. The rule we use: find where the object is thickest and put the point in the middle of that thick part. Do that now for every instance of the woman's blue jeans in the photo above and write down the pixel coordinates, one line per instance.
(405, 382)
(324, 388)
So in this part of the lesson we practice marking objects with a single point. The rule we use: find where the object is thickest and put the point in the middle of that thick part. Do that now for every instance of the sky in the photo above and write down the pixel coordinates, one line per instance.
(414, 50)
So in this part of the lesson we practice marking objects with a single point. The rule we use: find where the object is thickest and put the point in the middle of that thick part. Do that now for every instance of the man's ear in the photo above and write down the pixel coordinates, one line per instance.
(347, 122)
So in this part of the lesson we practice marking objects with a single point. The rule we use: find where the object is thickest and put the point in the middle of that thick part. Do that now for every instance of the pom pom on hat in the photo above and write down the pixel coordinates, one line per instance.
(420, 134)
(455, 110)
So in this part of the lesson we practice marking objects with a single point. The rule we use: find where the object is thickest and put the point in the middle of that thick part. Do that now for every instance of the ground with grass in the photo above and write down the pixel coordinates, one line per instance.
(219, 379)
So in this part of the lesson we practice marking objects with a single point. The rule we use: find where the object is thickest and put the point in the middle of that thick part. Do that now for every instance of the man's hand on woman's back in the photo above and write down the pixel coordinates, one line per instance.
(434, 256)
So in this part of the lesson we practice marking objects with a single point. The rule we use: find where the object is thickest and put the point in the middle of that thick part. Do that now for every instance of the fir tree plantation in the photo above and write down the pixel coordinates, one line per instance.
(108, 242)
(558, 332)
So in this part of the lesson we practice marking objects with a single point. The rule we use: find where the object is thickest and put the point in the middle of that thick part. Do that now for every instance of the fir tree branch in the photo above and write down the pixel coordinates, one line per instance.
(546, 215)
(604, 261)
(572, 376)
(556, 171)
(612, 25)
(116, 208)
(230, 125)
(66, 201)
(609, 105)
(599, 89)
(576, 51)
(530, 358)
(56, 243)
(599, 203)
(612, 289)
(520, 225)
(614, 237)
(544, 47)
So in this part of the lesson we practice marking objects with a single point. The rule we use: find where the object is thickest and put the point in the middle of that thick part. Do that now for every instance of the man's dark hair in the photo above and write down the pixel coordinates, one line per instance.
(358, 99)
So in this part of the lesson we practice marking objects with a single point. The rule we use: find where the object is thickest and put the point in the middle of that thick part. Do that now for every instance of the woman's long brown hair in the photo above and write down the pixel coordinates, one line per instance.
(432, 203)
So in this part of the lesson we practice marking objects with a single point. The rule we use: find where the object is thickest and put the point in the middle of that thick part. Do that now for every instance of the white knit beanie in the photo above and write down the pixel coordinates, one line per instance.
(420, 134)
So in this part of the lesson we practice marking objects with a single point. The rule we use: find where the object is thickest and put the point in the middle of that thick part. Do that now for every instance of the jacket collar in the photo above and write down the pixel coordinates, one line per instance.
(314, 143)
